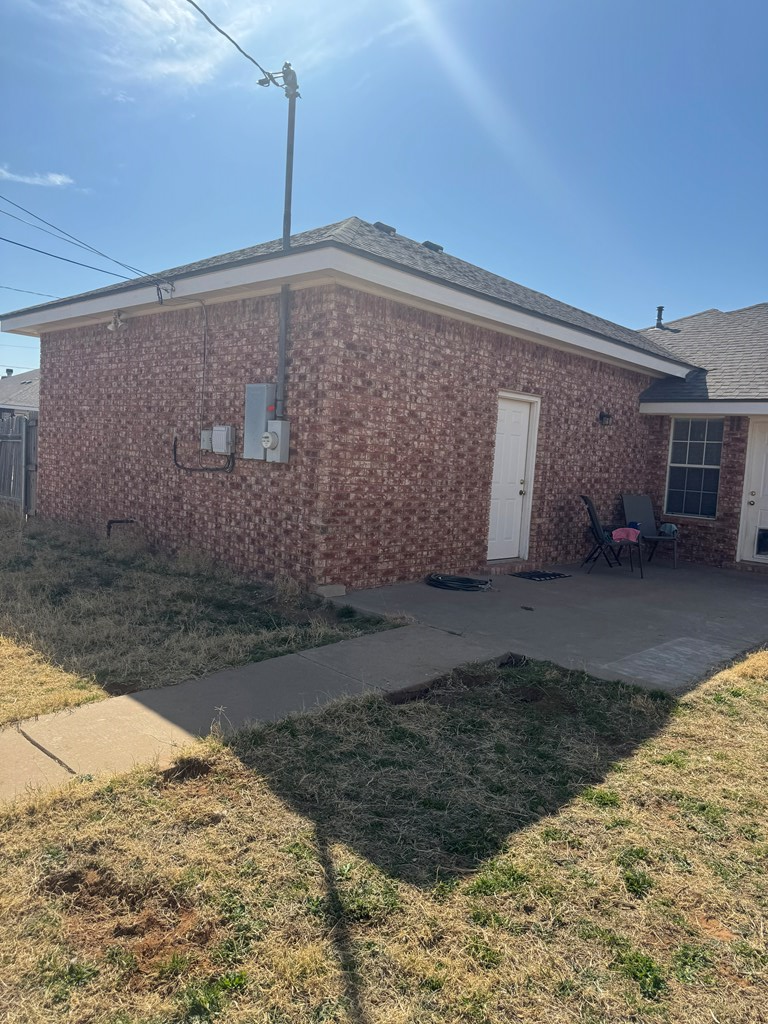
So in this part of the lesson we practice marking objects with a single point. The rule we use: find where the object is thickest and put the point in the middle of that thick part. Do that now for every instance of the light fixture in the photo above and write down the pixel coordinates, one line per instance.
(604, 419)
(117, 323)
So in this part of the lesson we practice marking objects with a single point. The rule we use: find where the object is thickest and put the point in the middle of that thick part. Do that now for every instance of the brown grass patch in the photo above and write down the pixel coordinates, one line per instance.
(30, 685)
(486, 854)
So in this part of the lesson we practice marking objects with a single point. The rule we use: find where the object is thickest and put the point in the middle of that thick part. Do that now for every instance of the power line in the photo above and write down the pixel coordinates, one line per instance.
(80, 245)
(64, 258)
(26, 291)
(75, 240)
(268, 76)
(18, 348)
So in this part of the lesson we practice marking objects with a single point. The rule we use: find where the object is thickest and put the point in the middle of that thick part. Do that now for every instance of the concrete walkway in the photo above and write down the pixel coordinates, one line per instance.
(151, 726)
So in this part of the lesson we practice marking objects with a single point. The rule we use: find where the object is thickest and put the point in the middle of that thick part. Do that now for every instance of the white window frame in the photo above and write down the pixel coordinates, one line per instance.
(689, 515)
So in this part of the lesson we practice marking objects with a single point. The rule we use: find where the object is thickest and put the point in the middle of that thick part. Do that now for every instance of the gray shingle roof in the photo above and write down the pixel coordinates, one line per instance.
(365, 239)
(22, 390)
(732, 348)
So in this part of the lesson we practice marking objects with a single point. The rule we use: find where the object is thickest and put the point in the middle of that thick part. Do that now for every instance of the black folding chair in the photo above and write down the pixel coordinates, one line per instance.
(638, 509)
(605, 545)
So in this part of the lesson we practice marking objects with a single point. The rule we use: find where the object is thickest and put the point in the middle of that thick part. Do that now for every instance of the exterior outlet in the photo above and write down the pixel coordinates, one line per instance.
(223, 440)
(276, 440)
(206, 440)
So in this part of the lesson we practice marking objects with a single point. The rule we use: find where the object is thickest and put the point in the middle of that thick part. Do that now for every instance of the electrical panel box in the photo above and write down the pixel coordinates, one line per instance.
(206, 440)
(259, 409)
(223, 440)
(276, 440)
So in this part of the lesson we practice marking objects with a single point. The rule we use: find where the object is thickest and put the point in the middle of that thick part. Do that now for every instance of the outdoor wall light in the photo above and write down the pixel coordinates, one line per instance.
(117, 323)
(604, 419)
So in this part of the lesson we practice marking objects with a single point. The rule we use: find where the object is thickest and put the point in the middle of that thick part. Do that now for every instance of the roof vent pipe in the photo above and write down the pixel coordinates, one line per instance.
(659, 311)
(9, 372)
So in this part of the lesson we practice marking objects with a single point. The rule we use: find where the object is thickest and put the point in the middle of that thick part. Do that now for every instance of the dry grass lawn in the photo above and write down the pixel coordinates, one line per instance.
(81, 617)
(30, 685)
(524, 845)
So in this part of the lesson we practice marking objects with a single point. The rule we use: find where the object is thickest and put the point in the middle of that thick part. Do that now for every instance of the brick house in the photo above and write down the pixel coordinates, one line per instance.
(441, 417)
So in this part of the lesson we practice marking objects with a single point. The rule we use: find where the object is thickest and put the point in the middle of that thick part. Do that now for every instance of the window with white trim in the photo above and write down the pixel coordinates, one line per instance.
(693, 477)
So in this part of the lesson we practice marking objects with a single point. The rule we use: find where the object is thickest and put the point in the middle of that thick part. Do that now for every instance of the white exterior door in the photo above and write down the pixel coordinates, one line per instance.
(510, 498)
(754, 531)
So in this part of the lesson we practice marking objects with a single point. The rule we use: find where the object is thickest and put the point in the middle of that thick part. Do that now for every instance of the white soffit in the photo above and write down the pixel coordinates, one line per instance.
(232, 280)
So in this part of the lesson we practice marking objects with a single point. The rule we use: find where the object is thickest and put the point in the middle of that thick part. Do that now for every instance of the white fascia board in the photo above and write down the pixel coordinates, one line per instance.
(713, 408)
(329, 258)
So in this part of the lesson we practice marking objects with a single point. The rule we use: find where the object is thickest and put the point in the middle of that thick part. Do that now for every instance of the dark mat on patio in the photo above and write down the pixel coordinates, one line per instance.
(539, 576)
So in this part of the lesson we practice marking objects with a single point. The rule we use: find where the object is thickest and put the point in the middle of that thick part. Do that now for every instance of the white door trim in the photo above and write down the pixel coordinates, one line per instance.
(534, 410)
(741, 549)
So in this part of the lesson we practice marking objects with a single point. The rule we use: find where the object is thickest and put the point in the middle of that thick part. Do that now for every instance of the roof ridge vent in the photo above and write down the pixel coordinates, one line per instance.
(387, 229)
(432, 246)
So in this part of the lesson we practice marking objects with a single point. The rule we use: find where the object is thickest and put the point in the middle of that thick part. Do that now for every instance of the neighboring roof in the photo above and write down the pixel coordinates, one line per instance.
(20, 391)
(360, 237)
(732, 348)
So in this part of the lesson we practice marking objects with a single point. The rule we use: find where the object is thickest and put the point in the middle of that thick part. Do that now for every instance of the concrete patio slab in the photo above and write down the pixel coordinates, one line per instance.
(611, 623)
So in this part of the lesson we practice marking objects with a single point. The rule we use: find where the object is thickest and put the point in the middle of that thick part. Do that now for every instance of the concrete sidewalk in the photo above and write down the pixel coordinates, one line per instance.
(151, 726)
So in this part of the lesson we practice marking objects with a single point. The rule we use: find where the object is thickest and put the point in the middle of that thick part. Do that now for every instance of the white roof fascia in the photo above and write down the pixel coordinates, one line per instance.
(323, 259)
(713, 408)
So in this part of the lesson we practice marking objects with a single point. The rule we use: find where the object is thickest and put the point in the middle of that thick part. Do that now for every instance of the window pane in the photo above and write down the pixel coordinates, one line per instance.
(679, 452)
(695, 480)
(680, 430)
(712, 453)
(695, 453)
(711, 480)
(714, 430)
(677, 478)
(698, 430)
(708, 504)
(692, 503)
(675, 502)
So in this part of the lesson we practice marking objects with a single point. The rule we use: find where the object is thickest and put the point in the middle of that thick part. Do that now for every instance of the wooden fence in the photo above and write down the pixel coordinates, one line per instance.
(18, 463)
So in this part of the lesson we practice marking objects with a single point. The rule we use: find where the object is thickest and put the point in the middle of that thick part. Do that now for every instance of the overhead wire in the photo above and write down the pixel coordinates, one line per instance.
(26, 291)
(53, 255)
(73, 239)
(268, 76)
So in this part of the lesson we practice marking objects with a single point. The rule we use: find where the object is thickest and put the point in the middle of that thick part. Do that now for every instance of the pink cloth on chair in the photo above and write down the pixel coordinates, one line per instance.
(626, 533)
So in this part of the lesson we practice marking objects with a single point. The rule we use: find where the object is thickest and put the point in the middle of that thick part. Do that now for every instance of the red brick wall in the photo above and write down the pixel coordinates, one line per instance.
(393, 414)
(112, 402)
(410, 484)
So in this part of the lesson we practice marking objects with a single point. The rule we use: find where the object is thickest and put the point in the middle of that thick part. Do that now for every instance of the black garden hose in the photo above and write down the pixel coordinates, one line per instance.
(437, 579)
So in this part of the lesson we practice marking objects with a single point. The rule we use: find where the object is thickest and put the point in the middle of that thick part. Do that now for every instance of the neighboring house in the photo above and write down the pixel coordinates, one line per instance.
(441, 417)
(717, 484)
(20, 393)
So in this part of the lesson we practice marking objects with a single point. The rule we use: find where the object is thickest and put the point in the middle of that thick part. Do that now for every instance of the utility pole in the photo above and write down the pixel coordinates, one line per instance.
(288, 81)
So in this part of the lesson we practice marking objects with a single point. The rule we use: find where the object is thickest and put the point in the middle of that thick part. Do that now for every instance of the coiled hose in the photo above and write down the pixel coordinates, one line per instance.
(436, 579)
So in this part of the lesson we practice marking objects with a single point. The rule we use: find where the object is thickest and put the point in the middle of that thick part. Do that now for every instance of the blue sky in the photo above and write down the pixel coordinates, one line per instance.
(610, 154)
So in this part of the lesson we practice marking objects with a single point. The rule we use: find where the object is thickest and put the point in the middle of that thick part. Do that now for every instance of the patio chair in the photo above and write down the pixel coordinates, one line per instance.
(605, 545)
(638, 509)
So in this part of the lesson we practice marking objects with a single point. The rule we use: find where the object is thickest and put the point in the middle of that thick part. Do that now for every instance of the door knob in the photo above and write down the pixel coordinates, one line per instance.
(749, 502)
(523, 492)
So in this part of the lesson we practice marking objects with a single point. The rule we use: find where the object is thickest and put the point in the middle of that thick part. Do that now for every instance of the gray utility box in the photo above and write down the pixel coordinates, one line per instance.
(259, 410)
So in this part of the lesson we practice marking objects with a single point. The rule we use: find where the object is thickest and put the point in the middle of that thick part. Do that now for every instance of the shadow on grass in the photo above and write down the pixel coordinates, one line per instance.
(430, 789)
